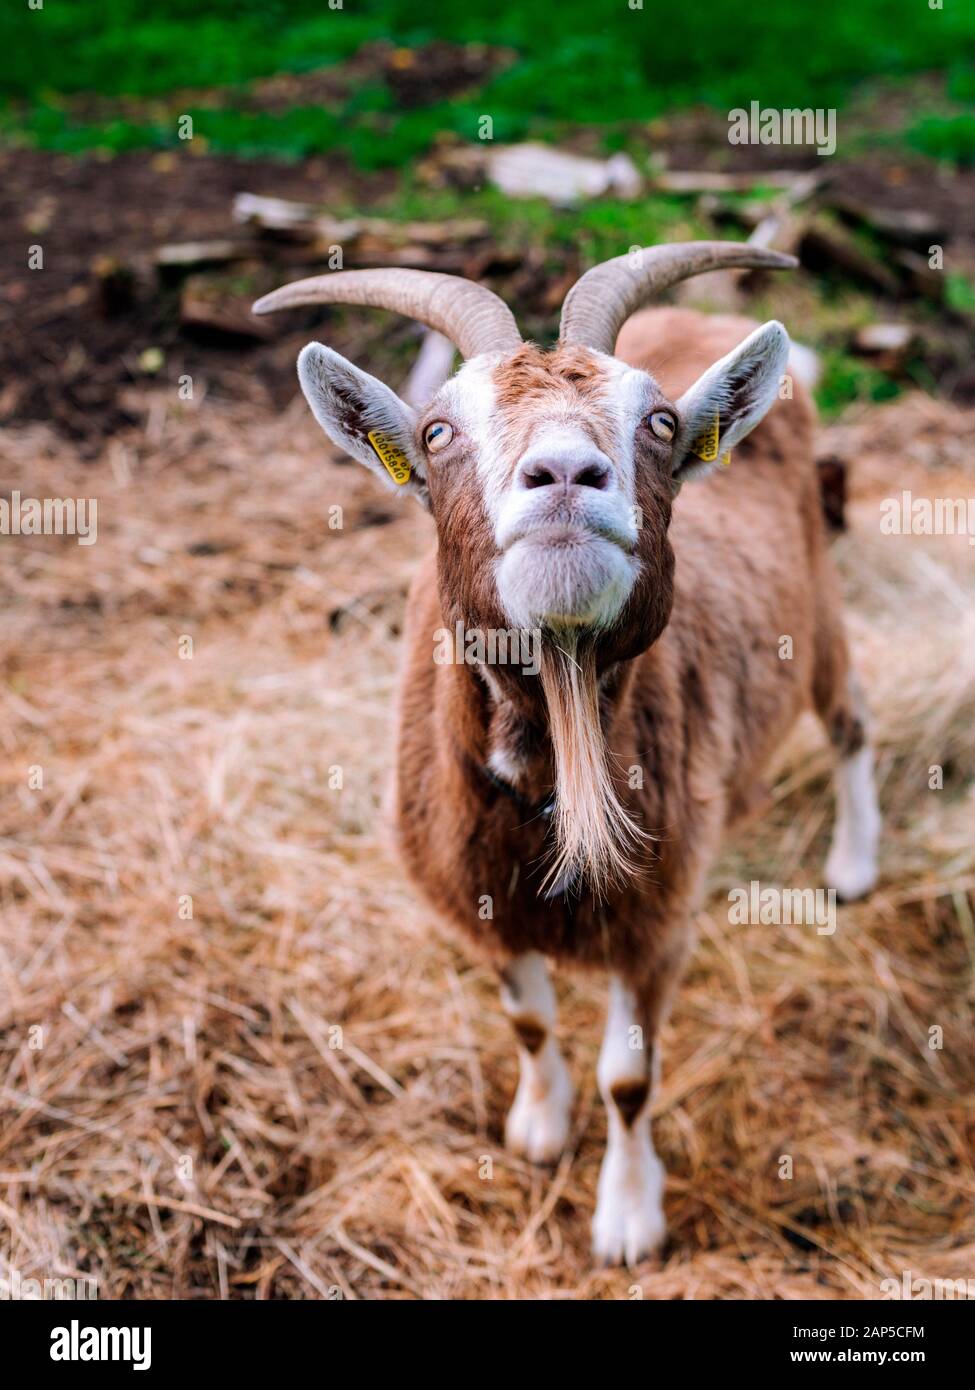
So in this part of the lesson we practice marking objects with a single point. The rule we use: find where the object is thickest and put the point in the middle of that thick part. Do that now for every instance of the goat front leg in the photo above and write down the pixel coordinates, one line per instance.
(629, 1222)
(538, 1121)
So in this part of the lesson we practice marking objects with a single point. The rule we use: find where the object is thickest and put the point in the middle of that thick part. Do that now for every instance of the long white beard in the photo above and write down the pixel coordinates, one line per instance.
(594, 833)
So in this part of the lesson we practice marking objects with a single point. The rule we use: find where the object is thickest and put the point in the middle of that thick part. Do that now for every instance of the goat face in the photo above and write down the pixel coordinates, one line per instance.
(555, 469)
(550, 475)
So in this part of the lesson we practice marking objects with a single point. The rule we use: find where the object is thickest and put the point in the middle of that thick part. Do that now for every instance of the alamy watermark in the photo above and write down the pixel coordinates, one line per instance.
(913, 1286)
(908, 515)
(14, 1288)
(50, 516)
(783, 907)
(492, 646)
(765, 125)
(78, 1343)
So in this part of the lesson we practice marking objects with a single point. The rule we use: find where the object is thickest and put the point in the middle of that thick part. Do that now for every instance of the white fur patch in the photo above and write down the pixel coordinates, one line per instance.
(585, 580)
(851, 866)
(629, 1222)
(505, 765)
(469, 399)
(538, 1122)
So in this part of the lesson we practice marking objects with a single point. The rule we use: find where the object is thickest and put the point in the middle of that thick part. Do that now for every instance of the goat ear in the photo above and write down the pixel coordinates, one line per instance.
(363, 416)
(728, 401)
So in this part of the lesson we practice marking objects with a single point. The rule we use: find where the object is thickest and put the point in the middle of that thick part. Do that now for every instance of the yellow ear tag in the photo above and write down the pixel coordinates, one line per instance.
(393, 459)
(725, 460)
(706, 444)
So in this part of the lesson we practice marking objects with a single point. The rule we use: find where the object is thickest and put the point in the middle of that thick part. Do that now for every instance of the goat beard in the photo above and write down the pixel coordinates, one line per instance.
(595, 836)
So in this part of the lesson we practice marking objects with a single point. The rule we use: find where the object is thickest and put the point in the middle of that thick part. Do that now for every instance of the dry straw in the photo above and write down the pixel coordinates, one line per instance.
(190, 1126)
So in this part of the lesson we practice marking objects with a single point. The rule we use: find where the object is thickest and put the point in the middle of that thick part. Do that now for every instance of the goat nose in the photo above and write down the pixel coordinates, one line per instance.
(563, 473)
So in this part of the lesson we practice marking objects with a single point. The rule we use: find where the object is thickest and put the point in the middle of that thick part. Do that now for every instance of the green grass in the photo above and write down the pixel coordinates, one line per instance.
(596, 230)
(578, 62)
(960, 293)
(593, 63)
(950, 139)
(846, 379)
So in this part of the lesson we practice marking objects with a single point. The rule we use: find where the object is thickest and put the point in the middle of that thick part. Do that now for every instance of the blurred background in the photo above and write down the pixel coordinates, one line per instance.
(236, 1057)
(382, 109)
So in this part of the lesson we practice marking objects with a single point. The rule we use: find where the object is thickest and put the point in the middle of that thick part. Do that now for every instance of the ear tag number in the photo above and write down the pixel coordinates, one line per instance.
(706, 444)
(392, 458)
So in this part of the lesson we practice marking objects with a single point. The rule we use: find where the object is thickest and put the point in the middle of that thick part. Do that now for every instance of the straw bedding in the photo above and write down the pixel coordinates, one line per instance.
(298, 1091)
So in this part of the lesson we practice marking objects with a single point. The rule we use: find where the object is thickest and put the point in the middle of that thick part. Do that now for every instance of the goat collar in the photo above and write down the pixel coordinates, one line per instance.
(544, 807)
(566, 887)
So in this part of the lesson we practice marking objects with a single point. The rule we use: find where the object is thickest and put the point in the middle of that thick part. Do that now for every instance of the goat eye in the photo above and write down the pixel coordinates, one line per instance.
(663, 424)
(437, 436)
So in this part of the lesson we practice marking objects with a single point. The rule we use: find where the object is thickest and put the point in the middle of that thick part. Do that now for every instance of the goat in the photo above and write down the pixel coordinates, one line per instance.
(570, 810)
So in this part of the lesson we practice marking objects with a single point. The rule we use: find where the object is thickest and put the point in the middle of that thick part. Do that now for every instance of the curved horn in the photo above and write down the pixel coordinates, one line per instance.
(601, 301)
(468, 314)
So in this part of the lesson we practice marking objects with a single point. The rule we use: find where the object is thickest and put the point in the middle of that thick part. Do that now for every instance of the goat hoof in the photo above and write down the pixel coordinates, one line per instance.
(629, 1223)
(538, 1129)
(851, 876)
(624, 1234)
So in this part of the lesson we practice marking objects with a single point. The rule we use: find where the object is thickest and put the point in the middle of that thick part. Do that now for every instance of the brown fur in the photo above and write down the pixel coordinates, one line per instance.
(531, 1033)
(530, 372)
(630, 1097)
(694, 693)
(567, 383)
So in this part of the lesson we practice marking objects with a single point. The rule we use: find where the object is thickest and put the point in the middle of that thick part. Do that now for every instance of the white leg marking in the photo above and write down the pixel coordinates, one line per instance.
(851, 866)
(538, 1121)
(629, 1221)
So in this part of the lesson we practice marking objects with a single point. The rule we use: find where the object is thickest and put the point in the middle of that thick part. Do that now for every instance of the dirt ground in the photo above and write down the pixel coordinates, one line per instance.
(239, 1059)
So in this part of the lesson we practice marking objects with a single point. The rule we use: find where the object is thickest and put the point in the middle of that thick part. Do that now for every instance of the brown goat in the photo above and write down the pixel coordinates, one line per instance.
(568, 803)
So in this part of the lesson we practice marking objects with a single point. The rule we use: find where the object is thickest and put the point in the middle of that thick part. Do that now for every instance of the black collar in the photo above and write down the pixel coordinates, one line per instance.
(530, 808)
(568, 889)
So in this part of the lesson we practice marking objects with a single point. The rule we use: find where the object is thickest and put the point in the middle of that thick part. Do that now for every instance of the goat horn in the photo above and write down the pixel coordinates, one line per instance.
(468, 314)
(601, 301)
